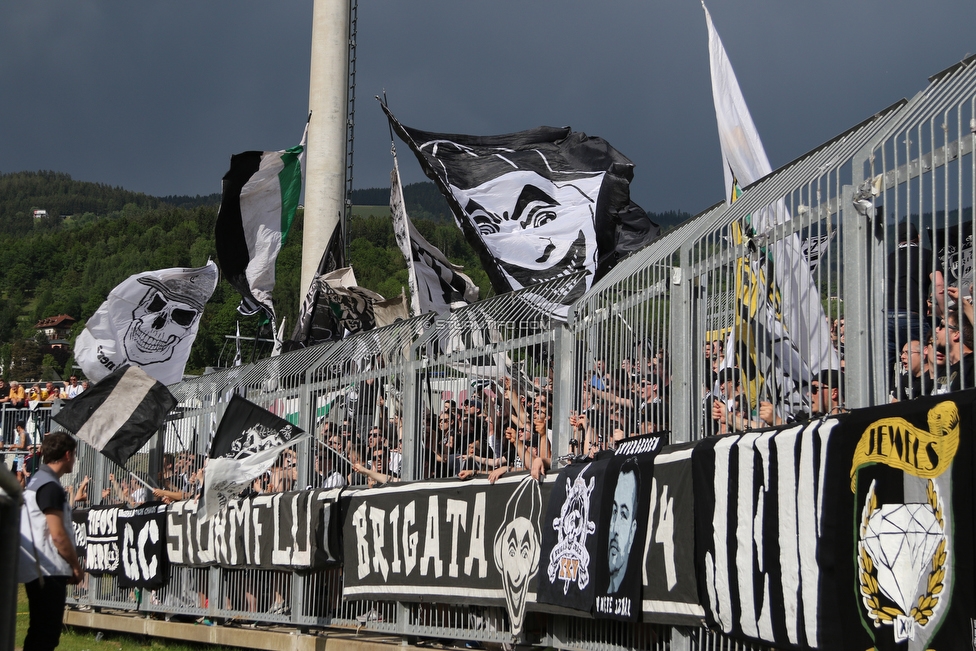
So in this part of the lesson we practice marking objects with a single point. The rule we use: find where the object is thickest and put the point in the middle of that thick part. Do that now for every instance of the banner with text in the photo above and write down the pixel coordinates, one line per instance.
(283, 531)
(439, 541)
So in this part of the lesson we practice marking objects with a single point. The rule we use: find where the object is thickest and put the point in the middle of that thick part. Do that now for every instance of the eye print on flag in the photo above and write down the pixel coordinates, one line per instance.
(538, 229)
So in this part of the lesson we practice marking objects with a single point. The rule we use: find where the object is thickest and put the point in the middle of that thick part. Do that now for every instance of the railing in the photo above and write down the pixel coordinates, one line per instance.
(643, 351)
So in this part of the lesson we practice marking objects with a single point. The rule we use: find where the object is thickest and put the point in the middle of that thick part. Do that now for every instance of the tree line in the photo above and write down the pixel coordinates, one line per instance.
(95, 236)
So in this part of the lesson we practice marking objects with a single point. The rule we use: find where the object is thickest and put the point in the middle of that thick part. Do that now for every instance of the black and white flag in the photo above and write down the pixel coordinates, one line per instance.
(537, 204)
(247, 443)
(150, 320)
(119, 414)
(815, 247)
(436, 284)
(309, 331)
(259, 197)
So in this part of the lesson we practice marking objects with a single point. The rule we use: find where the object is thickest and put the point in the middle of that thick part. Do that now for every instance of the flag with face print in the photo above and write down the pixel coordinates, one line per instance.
(537, 204)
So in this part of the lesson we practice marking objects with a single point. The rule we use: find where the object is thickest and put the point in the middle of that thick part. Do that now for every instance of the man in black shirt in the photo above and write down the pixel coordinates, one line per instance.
(48, 560)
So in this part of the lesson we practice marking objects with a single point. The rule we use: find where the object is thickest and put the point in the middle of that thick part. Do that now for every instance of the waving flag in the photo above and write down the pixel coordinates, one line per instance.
(537, 204)
(436, 285)
(257, 206)
(246, 444)
(150, 320)
(780, 317)
(119, 414)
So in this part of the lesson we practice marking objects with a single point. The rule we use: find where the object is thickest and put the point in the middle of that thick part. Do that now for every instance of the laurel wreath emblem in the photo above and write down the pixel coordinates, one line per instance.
(870, 591)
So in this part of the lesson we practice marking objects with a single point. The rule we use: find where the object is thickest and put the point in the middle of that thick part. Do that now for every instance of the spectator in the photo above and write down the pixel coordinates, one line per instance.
(284, 473)
(73, 388)
(967, 301)
(22, 443)
(17, 395)
(957, 340)
(911, 380)
(4, 393)
(172, 486)
(327, 474)
(36, 393)
(53, 393)
(827, 393)
(909, 283)
(78, 498)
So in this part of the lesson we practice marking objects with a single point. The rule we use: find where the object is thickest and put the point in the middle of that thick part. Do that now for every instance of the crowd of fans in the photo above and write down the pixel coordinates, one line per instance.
(24, 416)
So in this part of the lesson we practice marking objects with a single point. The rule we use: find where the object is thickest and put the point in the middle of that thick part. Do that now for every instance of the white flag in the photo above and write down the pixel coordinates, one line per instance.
(744, 161)
(149, 321)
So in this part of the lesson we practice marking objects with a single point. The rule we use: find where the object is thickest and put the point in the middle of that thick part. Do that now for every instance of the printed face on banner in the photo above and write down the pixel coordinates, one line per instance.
(536, 228)
(516, 548)
(623, 527)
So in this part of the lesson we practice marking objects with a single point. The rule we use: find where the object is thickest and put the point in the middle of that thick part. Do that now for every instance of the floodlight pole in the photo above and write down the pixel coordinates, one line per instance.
(328, 103)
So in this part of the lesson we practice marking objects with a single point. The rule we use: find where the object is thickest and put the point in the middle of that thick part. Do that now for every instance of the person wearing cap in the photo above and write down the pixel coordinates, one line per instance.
(909, 283)
(827, 393)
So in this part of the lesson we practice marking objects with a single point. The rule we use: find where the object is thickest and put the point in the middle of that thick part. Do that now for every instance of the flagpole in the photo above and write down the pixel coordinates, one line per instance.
(141, 481)
(332, 450)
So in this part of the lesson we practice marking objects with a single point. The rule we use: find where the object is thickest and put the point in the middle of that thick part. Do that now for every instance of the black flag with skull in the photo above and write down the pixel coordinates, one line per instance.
(149, 321)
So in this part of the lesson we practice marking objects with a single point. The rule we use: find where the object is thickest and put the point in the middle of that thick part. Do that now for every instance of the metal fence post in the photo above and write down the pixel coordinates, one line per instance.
(684, 393)
(564, 354)
(855, 231)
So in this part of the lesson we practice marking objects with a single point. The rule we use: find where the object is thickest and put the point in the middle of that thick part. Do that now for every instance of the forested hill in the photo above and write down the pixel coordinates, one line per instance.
(95, 236)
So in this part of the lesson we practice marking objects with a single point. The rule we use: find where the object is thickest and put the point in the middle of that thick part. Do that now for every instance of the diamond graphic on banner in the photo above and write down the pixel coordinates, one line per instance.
(902, 539)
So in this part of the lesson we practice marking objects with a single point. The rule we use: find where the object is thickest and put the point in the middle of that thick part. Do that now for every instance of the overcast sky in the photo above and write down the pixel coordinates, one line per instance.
(156, 96)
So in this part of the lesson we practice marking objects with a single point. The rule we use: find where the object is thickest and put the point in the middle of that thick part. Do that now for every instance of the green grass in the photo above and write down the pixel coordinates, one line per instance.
(83, 639)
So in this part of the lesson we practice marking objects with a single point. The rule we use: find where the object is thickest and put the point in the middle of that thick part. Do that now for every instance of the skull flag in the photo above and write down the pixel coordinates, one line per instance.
(118, 414)
(537, 204)
(149, 321)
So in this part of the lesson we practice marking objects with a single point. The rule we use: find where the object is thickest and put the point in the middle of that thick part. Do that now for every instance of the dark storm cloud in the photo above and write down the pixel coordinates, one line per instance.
(155, 97)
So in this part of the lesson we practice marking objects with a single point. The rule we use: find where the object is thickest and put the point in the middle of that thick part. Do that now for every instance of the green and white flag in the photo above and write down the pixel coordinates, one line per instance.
(259, 198)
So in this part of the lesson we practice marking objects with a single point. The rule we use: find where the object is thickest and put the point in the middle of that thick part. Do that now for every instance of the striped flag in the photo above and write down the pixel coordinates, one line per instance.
(119, 414)
(259, 198)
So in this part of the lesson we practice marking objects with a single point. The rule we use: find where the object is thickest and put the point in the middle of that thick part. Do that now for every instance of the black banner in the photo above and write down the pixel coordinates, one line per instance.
(123, 542)
(595, 530)
(102, 541)
(908, 579)
(283, 531)
(670, 588)
(142, 534)
(79, 522)
(850, 532)
(570, 545)
(440, 541)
